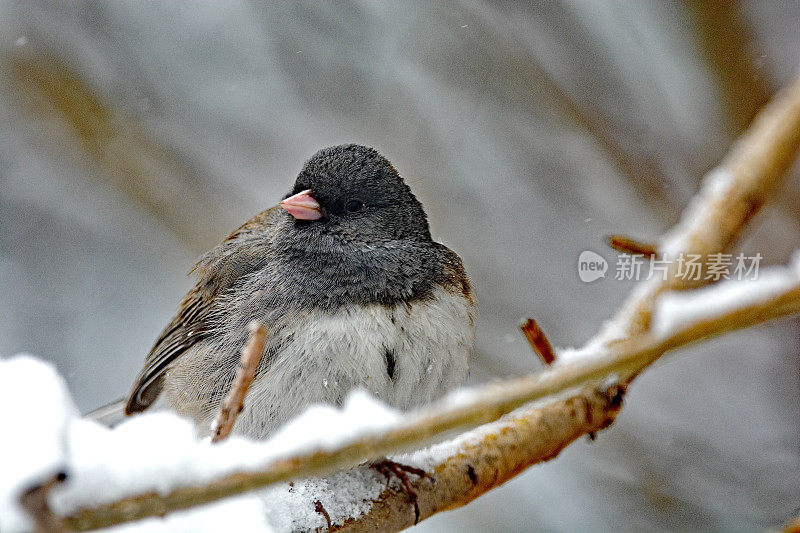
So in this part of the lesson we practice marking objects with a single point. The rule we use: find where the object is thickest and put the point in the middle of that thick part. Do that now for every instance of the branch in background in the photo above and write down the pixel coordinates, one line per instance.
(640, 169)
(248, 364)
(713, 222)
(793, 526)
(627, 245)
(538, 341)
(129, 157)
(741, 68)
(727, 43)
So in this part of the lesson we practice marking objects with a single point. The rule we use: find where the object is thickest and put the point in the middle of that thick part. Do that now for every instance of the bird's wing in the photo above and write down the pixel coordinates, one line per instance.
(218, 271)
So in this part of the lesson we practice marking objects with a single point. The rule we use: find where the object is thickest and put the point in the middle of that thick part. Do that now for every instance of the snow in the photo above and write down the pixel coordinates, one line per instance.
(35, 408)
(715, 186)
(570, 355)
(240, 514)
(675, 310)
(160, 451)
(362, 415)
(290, 506)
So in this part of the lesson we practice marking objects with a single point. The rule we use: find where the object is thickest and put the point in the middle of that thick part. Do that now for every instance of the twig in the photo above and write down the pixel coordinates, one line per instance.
(34, 501)
(793, 526)
(538, 341)
(627, 245)
(248, 364)
(319, 508)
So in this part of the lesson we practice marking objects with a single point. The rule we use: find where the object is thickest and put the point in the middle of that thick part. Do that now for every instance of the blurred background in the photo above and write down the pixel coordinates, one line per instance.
(134, 136)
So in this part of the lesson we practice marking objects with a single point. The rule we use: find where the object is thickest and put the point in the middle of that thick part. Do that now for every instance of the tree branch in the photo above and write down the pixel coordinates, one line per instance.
(248, 364)
(530, 437)
(732, 194)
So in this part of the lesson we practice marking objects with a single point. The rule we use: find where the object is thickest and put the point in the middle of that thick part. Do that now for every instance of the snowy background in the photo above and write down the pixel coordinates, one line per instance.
(134, 137)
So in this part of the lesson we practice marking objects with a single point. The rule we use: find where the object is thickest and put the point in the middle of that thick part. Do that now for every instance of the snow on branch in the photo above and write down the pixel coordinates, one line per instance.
(580, 395)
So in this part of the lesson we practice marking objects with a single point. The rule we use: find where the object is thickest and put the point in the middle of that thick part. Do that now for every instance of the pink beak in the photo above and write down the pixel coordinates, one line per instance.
(302, 206)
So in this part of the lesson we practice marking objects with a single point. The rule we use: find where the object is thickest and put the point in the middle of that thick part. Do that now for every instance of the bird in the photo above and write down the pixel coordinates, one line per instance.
(352, 290)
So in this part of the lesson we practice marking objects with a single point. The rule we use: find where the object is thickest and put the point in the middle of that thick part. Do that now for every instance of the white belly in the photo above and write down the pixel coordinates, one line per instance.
(332, 353)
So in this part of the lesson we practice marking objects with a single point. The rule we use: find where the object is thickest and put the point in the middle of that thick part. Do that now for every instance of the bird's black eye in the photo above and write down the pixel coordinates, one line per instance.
(354, 206)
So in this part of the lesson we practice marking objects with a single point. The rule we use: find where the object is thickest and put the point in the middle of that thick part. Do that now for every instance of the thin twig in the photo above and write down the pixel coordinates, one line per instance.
(248, 364)
(793, 526)
(538, 341)
(319, 508)
(624, 244)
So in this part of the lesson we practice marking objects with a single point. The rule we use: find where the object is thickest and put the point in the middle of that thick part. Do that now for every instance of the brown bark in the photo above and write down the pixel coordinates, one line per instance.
(525, 440)
(234, 401)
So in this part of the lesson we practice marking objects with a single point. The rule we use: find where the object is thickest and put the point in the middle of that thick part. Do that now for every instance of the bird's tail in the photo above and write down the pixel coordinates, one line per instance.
(109, 415)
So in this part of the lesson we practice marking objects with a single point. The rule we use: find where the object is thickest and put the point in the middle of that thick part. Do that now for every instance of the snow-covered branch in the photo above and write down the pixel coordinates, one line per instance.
(490, 456)
(590, 390)
(731, 195)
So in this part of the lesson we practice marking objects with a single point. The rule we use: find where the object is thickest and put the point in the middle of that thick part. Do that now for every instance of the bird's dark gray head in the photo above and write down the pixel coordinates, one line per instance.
(354, 232)
(361, 197)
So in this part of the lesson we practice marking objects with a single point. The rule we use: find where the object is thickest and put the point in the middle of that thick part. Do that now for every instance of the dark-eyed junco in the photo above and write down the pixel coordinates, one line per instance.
(351, 288)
